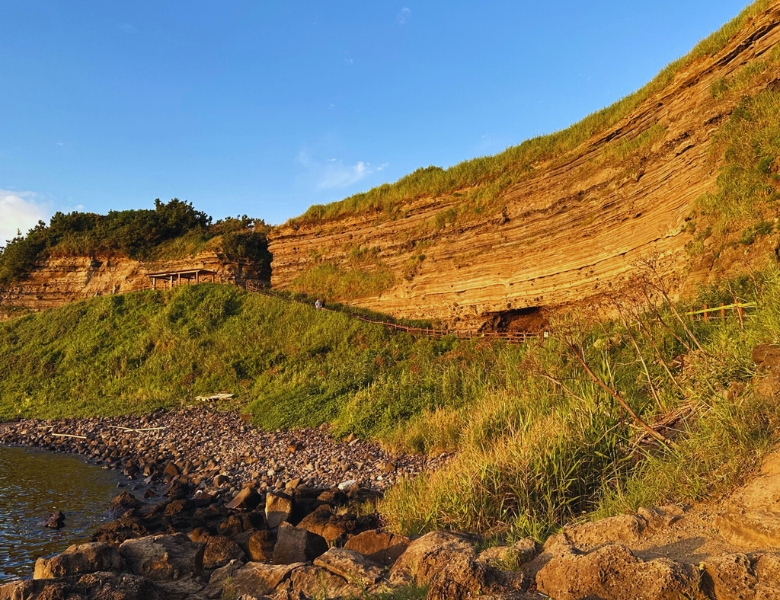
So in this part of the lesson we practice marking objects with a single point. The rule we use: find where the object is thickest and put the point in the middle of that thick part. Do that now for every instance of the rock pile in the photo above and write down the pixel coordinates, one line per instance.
(193, 547)
(218, 451)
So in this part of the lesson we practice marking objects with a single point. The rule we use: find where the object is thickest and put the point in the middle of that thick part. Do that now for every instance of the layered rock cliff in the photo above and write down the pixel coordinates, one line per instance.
(60, 280)
(573, 228)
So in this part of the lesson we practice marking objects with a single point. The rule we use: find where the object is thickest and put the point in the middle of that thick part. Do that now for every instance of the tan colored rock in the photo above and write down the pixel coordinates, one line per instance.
(316, 582)
(614, 572)
(379, 546)
(260, 546)
(163, 557)
(427, 556)
(767, 570)
(624, 529)
(80, 559)
(571, 226)
(351, 565)
(278, 508)
(258, 579)
(731, 577)
(246, 499)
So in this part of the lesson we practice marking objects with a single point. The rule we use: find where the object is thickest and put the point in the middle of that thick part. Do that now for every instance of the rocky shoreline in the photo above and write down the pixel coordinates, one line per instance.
(234, 513)
(218, 451)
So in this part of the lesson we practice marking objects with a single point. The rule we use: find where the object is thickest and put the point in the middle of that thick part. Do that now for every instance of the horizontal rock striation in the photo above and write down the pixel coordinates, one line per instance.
(60, 280)
(573, 229)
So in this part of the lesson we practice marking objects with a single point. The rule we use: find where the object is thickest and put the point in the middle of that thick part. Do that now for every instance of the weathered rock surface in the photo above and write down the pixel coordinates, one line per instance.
(380, 547)
(295, 545)
(257, 579)
(163, 557)
(78, 560)
(427, 556)
(60, 280)
(614, 572)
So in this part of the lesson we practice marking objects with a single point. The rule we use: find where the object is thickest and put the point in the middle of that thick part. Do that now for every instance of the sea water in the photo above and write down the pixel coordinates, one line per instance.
(34, 484)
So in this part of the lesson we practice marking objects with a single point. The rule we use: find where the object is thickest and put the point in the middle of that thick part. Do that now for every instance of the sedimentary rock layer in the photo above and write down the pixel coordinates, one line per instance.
(573, 228)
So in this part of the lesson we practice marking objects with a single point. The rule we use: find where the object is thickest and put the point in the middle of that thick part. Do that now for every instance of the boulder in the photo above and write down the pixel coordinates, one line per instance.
(620, 529)
(427, 556)
(121, 503)
(278, 508)
(331, 527)
(379, 546)
(246, 499)
(92, 586)
(613, 572)
(218, 579)
(767, 569)
(220, 550)
(351, 565)
(256, 579)
(731, 577)
(260, 546)
(77, 560)
(116, 532)
(316, 582)
(295, 545)
(163, 557)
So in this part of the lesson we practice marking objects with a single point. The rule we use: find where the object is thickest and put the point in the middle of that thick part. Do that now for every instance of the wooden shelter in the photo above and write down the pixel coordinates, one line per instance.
(183, 277)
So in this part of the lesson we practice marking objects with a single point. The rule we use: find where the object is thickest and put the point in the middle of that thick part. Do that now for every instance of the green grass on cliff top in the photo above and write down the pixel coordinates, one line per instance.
(487, 177)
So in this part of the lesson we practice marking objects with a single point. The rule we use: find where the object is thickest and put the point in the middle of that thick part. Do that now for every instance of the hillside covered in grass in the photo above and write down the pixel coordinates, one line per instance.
(171, 230)
(541, 431)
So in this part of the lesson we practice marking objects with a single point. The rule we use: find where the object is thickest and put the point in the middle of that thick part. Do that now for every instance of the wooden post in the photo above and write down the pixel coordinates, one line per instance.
(197, 276)
(706, 314)
(154, 283)
(722, 311)
(740, 312)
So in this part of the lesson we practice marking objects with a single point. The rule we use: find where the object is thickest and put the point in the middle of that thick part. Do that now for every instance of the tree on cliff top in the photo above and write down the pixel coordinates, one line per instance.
(131, 233)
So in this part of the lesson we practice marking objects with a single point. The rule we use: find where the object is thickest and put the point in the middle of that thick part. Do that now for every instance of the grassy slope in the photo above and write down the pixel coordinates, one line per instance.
(483, 180)
(294, 365)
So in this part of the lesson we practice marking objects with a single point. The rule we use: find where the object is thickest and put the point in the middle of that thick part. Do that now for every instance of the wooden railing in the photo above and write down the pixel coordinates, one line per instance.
(708, 313)
(516, 337)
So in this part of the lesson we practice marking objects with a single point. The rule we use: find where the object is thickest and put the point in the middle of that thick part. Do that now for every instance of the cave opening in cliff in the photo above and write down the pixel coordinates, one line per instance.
(531, 319)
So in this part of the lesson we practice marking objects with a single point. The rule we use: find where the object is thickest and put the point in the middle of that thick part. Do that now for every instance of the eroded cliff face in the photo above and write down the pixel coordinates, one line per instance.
(573, 229)
(60, 280)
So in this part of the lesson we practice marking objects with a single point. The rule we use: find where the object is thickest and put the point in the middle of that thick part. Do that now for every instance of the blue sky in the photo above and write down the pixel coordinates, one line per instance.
(264, 108)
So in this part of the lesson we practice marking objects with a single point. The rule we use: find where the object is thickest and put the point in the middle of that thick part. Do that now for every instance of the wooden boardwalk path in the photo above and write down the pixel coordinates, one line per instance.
(515, 337)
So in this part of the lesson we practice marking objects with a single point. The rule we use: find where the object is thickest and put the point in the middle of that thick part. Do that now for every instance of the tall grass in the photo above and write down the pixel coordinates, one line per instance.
(484, 179)
(553, 447)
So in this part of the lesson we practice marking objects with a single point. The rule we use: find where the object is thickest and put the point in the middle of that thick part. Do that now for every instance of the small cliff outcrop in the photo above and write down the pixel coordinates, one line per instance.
(572, 229)
(59, 280)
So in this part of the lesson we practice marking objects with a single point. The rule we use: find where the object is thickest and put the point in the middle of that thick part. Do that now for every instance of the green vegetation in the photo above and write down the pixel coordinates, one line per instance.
(331, 281)
(539, 441)
(172, 230)
(481, 181)
(745, 203)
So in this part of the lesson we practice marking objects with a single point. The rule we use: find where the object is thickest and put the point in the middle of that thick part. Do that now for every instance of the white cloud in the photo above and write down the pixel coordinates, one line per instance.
(333, 173)
(19, 211)
(403, 17)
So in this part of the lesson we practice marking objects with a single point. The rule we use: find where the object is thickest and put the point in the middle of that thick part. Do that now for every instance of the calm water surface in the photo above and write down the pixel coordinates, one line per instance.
(33, 484)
